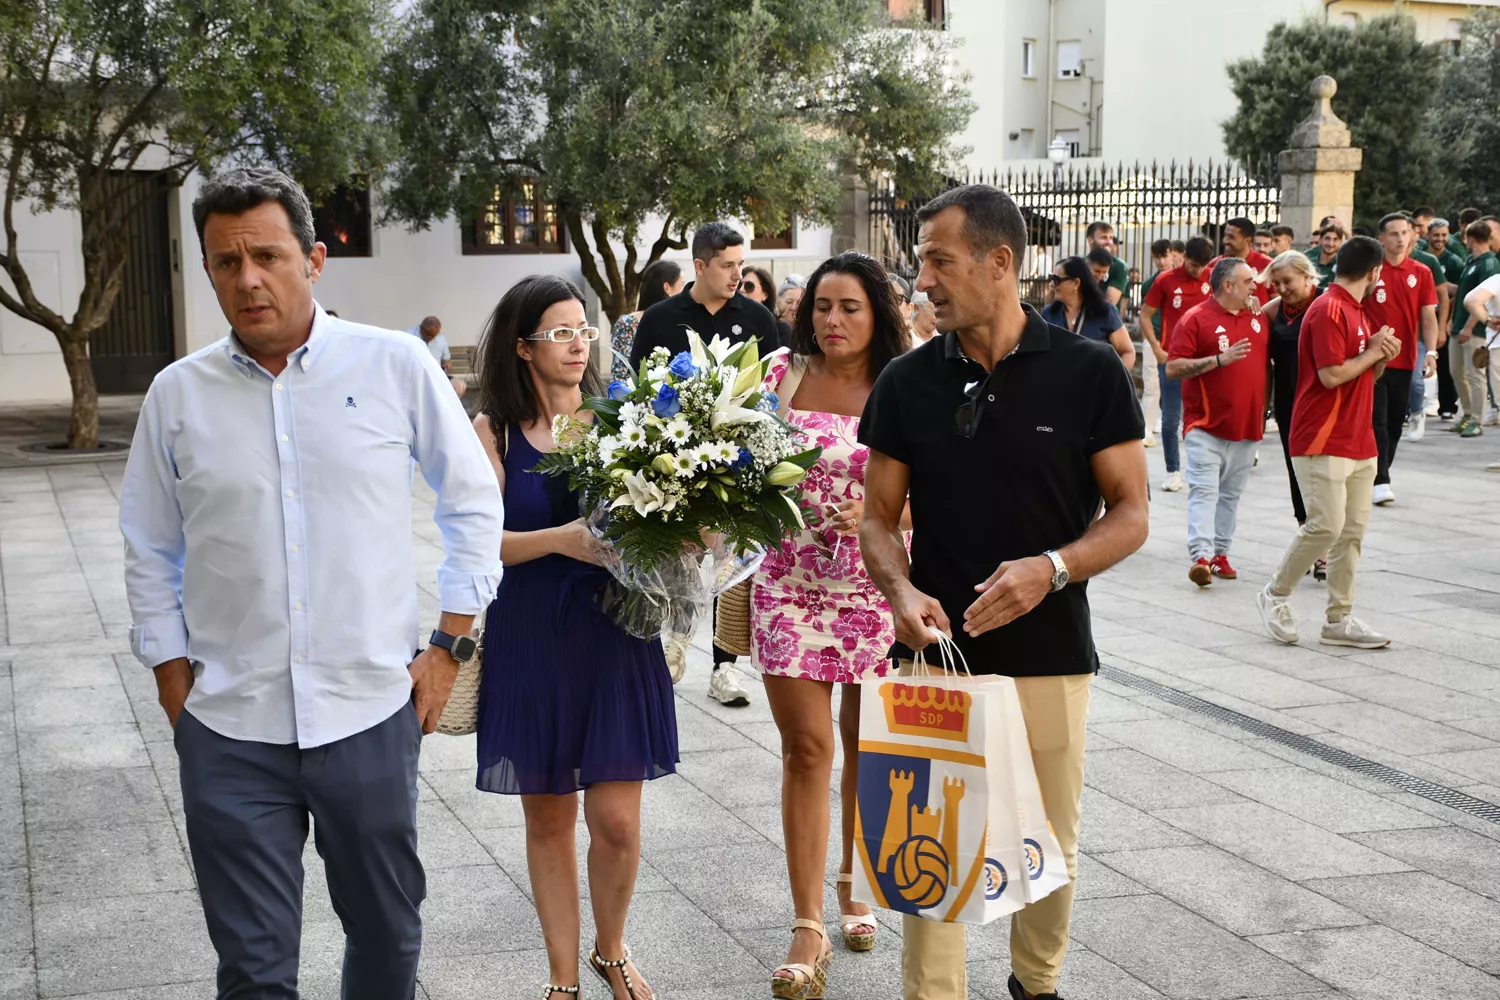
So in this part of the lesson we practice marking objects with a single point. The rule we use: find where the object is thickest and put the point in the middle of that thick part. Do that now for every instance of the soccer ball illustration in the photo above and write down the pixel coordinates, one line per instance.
(921, 871)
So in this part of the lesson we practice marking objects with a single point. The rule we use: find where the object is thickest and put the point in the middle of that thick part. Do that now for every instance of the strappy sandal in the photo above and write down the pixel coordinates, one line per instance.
(548, 989)
(802, 981)
(601, 969)
(849, 923)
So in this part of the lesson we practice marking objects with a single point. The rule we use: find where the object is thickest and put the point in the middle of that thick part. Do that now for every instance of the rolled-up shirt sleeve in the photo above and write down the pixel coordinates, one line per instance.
(151, 523)
(469, 513)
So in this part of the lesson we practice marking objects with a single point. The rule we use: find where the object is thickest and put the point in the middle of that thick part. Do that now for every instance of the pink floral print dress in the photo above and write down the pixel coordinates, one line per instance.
(814, 612)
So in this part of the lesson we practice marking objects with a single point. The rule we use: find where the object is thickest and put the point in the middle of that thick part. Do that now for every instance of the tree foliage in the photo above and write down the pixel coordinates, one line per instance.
(159, 88)
(1387, 80)
(1467, 106)
(660, 112)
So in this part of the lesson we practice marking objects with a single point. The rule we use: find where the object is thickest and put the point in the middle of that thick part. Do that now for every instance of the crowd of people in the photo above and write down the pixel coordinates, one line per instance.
(266, 508)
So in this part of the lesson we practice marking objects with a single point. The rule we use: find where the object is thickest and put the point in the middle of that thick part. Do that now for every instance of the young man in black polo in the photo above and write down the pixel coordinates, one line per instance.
(710, 304)
(1007, 434)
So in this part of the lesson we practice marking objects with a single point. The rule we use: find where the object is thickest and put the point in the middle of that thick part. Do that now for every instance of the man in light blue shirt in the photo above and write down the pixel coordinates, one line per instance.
(266, 509)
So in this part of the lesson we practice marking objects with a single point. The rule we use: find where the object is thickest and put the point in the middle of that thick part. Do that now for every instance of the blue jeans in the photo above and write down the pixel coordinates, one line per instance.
(247, 806)
(1417, 400)
(1171, 418)
(1217, 471)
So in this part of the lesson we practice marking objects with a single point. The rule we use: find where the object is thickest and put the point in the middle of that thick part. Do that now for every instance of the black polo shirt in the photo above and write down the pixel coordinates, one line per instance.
(666, 324)
(1020, 486)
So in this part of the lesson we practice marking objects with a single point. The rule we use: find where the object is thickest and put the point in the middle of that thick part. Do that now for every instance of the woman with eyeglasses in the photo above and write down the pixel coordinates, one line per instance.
(660, 280)
(758, 285)
(1078, 304)
(816, 619)
(568, 702)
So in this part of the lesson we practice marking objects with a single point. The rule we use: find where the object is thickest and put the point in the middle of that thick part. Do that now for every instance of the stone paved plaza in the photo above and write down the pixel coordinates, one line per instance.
(1218, 861)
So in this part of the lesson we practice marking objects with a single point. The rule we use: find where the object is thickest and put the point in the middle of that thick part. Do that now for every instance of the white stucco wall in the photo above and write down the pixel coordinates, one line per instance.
(1167, 90)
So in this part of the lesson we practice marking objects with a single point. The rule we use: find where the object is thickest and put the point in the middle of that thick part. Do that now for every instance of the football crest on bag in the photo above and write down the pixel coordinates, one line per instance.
(995, 879)
(1035, 861)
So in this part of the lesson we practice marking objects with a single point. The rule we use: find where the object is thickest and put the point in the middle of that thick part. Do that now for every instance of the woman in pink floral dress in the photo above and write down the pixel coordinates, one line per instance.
(816, 619)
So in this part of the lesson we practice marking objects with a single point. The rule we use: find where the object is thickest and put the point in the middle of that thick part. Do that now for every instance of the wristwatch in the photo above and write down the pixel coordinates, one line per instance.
(1059, 570)
(460, 647)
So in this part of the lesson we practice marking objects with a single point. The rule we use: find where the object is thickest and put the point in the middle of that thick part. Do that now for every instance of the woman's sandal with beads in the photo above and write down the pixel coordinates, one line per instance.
(806, 982)
(548, 989)
(601, 969)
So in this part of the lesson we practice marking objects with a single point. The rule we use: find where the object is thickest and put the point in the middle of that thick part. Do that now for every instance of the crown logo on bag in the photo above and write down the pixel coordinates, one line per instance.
(930, 711)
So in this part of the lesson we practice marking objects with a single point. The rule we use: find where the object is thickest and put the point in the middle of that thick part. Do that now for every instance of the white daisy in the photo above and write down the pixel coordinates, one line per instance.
(724, 452)
(633, 436)
(610, 449)
(677, 430)
(683, 464)
(632, 413)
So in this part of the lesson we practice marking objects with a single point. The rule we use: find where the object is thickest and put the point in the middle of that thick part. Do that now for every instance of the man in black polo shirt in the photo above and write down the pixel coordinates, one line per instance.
(710, 304)
(1007, 434)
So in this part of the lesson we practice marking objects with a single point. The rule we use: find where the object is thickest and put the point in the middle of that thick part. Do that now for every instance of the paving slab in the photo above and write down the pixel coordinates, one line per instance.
(1323, 801)
(1279, 842)
(1460, 856)
(1179, 953)
(1455, 921)
(1233, 893)
(1377, 963)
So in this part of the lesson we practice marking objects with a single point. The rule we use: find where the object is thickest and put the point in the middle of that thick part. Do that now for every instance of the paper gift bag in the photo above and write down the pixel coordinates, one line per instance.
(1045, 867)
(938, 828)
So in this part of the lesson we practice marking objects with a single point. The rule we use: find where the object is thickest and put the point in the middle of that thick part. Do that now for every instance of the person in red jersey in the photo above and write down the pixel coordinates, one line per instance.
(1172, 294)
(1405, 299)
(1220, 352)
(1239, 241)
(1333, 447)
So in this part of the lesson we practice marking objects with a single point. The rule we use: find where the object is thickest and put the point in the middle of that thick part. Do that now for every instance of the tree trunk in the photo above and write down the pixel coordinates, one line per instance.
(83, 425)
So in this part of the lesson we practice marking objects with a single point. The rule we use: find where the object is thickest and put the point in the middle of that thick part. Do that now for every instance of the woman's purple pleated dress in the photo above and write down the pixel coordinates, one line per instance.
(567, 697)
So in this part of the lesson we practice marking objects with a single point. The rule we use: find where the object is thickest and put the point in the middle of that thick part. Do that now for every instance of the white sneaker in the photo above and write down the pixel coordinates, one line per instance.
(1350, 631)
(724, 687)
(1257, 459)
(1492, 467)
(1382, 495)
(1492, 417)
(1172, 483)
(676, 648)
(1157, 428)
(1149, 441)
(1416, 426)
(1277, 615)
(1431, 409)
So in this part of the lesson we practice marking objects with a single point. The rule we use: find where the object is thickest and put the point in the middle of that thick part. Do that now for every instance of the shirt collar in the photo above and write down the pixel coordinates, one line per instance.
(303, 357)
(1036, 336)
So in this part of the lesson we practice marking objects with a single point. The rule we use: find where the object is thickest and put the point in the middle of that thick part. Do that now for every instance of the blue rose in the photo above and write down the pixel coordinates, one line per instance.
(769, 402)
(618, 390)
(682, 366)
(745, 459)
(666, 403)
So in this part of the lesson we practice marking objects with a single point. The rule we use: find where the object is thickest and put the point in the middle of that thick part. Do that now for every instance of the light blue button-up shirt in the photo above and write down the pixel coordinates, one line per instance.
(267, 524)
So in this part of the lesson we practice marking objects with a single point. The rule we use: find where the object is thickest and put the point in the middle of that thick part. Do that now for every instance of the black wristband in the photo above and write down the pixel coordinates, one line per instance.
(1218, 361)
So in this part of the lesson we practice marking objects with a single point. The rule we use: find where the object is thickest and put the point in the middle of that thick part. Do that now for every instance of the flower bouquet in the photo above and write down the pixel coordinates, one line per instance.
(690, 461)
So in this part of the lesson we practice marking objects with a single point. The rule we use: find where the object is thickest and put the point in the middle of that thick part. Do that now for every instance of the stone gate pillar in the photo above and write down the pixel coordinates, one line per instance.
(1317, 172)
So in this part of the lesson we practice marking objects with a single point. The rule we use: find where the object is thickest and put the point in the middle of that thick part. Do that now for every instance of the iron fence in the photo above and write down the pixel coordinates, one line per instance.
(1143, 203)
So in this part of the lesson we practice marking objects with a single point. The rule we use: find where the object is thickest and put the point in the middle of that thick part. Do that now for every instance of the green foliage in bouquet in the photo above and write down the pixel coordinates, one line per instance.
(693, 448)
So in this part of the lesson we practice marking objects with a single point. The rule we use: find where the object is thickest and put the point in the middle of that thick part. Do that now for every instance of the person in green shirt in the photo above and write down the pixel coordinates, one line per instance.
(1421, 221)
(1417, 408)
(1323, 255)
(1101, 235)
(1470, 380)
(1440, 244)
(1466, 218)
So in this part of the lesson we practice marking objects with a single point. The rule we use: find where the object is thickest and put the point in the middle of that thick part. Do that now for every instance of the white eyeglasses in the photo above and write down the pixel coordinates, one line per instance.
(565, 334)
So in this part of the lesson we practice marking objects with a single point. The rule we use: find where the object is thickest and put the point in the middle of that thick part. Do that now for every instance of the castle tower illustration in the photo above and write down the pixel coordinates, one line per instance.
(953, 792)
(895, 820)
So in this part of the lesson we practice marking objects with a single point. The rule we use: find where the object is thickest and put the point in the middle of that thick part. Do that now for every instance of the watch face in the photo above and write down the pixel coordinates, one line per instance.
(463, 649)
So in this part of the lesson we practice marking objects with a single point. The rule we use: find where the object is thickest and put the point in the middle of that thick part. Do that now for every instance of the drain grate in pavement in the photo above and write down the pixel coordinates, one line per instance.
(1431, 790)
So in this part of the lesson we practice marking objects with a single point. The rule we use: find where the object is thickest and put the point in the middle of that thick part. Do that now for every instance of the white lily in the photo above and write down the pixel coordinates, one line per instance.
(720, 348)
(733, 415)
(645, 496)
(695, 348)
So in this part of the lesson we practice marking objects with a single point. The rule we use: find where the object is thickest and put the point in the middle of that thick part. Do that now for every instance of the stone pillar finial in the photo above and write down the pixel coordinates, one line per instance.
(1318, 167)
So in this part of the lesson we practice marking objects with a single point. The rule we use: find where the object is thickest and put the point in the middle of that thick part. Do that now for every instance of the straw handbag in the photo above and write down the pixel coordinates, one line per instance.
(732, 610)
(461, 715)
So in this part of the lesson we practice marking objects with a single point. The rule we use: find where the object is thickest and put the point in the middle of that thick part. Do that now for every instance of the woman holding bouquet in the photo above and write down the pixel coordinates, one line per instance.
(568, 701)
(816, 619)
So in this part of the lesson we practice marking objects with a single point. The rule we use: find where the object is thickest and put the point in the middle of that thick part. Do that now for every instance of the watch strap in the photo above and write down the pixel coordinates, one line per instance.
(442, 640)
(1059, 570)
